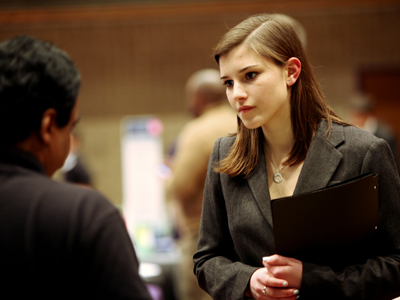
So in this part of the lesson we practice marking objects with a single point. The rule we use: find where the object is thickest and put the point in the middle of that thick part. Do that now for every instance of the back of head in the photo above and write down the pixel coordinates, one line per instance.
(297, 26)
(204, 87)
(362, 103)
(362, 111)
(34, 76)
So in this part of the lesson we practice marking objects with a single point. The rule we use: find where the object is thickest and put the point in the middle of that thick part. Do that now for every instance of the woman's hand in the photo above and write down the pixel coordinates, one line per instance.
(285, 268)
(280, 279)
(265, 286)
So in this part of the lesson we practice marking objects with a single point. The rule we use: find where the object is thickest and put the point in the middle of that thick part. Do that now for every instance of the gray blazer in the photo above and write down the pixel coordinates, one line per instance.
(236, 225)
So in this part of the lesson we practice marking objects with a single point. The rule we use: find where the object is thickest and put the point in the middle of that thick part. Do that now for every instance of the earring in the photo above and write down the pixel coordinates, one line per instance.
(289, 82)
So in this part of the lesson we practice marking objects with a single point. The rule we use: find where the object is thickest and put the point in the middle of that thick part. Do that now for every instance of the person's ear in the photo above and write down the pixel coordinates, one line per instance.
(47, 125)
(293, 66)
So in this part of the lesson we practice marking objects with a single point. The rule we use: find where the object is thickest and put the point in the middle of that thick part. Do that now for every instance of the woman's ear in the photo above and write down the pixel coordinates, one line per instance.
(293, 66)
(47, 125)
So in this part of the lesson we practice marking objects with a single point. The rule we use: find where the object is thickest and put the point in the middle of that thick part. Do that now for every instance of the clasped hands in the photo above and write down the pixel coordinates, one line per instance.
(279, 279)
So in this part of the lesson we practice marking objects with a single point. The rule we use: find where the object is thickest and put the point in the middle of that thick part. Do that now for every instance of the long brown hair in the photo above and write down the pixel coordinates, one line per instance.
(275, 38)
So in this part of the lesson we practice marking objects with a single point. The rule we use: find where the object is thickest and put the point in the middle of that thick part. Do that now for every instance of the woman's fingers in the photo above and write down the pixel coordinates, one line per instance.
(277, 260)
(285, 268)
(265, 286)
(279, 293)
(262, 277)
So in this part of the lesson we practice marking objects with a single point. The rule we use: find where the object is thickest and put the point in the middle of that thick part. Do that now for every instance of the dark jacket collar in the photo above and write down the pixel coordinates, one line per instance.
(16, 157)
(322, 159)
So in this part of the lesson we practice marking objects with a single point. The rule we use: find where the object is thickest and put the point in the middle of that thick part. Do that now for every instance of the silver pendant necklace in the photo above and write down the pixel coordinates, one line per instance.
(278, 176)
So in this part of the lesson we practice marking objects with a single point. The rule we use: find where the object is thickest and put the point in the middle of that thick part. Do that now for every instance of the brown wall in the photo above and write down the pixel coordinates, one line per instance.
(134, 59)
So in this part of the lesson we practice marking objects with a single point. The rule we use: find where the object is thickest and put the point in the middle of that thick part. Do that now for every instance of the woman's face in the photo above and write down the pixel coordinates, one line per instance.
(257, 89)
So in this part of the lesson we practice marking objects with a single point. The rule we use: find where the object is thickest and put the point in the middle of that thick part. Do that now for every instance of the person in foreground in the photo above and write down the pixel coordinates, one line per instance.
(58, 241)
(288, 142)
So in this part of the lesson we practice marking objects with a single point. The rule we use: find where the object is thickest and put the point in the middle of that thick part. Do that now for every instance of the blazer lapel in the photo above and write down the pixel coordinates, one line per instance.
(258, 183)
(322, 159)
(321, 163)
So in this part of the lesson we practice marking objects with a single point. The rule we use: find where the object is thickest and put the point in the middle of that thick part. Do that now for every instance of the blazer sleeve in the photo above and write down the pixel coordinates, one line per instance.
(378, 277)
(216, 264)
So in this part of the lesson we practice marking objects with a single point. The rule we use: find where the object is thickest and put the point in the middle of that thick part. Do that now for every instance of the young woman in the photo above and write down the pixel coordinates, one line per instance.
(288, 142)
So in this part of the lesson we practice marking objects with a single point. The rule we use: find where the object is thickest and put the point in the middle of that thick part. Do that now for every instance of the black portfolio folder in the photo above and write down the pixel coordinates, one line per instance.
(330, 218)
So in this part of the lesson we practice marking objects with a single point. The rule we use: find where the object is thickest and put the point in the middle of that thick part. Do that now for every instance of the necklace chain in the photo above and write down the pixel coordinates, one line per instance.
(278, 176)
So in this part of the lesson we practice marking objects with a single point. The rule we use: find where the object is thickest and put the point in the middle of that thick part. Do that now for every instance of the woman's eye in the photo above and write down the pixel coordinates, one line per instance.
(251, 75)
(228, 83)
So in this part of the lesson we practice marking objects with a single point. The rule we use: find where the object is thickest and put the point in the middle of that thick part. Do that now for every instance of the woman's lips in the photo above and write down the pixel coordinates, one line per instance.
(245, 109)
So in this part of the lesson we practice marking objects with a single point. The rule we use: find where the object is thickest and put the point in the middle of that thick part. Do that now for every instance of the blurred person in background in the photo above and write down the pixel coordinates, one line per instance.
(363, 115)
(213, 118)
(74, 169)
(58, 241)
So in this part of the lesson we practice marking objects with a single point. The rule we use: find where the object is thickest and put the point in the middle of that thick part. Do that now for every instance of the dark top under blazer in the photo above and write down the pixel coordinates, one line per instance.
(61, 241)
(236, 226)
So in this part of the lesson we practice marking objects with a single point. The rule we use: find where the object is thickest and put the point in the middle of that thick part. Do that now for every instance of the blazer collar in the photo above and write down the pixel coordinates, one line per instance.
(322, 159)
(313, 175)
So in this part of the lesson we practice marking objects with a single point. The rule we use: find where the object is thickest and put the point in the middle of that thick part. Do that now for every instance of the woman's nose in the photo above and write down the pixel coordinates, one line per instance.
(239, 93)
